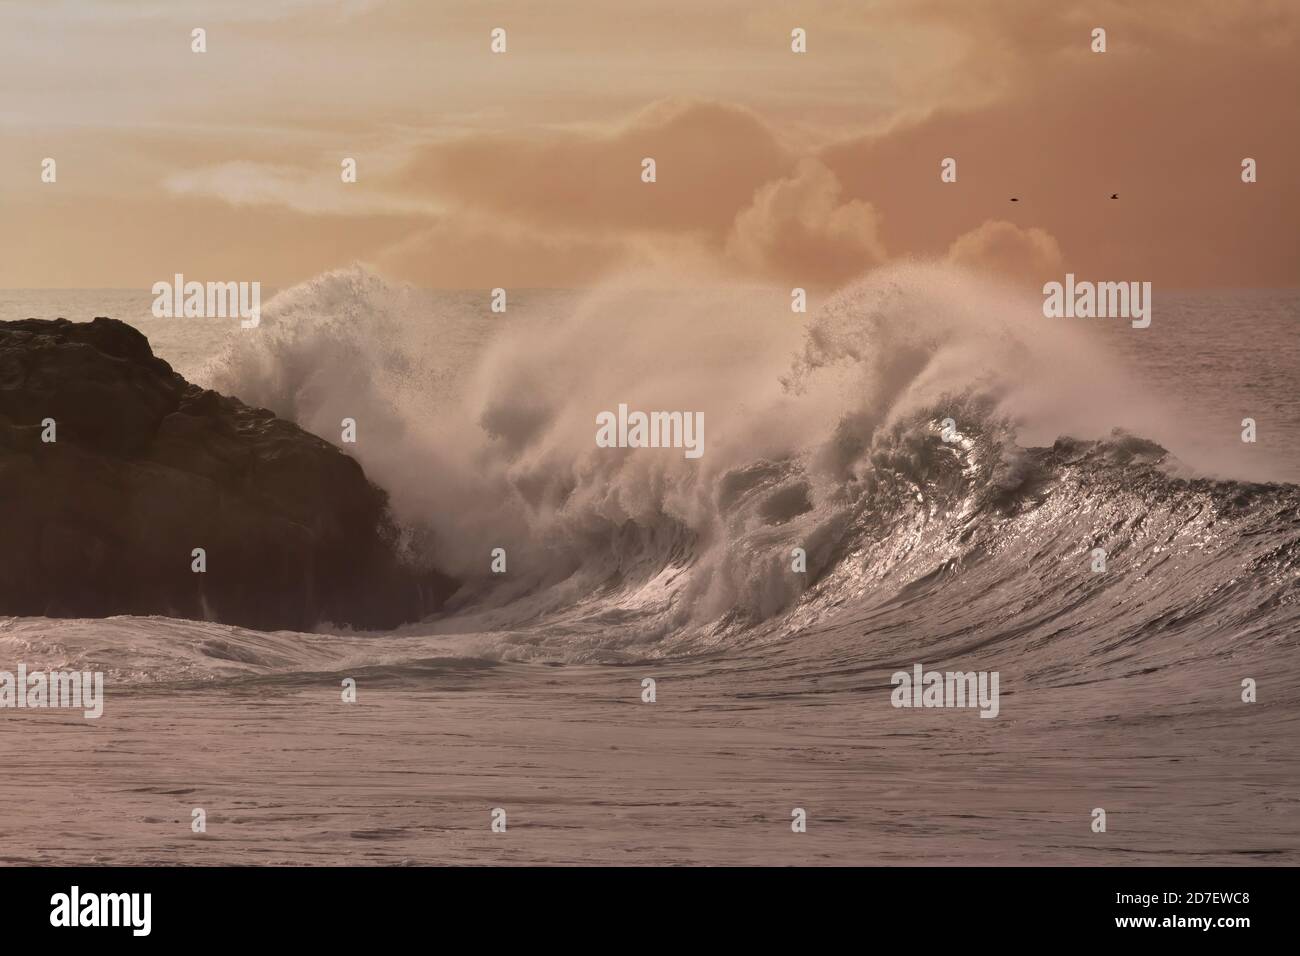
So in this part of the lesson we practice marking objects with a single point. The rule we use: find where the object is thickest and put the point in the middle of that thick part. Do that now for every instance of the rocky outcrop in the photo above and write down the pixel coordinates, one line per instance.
(145, 467)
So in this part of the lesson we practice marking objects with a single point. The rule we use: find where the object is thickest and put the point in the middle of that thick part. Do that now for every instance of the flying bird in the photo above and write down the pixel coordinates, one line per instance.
(1114, 195)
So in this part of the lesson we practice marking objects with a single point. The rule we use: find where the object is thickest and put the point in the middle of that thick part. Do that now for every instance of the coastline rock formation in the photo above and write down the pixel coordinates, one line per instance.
(146, 467)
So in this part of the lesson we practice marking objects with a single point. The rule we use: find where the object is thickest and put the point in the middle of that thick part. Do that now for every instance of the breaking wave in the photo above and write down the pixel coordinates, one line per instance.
(823, 433)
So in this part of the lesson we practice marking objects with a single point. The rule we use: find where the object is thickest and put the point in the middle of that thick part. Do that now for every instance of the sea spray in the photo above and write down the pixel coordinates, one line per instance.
(825, 435)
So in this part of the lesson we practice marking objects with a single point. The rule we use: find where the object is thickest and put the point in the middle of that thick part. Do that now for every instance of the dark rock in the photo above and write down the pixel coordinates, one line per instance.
(148, 467)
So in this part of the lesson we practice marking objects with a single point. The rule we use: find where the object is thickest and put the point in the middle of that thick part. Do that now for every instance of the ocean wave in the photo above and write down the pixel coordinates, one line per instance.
(826, 435)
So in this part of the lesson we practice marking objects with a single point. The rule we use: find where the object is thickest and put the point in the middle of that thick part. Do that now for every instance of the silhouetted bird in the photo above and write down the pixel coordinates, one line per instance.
(1114, 195)
(1014, 199)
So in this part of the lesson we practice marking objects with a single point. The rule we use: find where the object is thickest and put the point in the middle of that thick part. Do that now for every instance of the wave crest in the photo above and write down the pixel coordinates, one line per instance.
(826, 436)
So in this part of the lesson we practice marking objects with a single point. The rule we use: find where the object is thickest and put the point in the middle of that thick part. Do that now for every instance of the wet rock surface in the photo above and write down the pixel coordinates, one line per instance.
(145, 467)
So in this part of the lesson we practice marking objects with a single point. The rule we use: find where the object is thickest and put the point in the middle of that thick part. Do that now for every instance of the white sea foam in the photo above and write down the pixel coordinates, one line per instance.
(485, 441)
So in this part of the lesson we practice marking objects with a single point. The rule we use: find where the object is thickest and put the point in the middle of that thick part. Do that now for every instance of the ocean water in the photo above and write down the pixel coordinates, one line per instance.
(824, 432)
(1222, 355)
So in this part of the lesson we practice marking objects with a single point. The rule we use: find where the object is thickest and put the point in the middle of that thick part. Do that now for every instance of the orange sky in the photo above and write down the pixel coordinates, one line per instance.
(523, 168)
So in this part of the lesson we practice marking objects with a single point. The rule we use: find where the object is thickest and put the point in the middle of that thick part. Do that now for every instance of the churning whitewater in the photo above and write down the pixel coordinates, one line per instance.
(928, 457)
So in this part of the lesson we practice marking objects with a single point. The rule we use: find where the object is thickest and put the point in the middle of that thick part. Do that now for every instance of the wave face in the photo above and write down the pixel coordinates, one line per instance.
(822, 433)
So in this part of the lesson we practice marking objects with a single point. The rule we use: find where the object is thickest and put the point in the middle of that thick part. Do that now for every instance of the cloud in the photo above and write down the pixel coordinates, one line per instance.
(730, 197)
(798, 229)
(461, 252)
(710, 159)
(1026, 255)
(188, 10)
(823, 172)
(1163, 119)
(322, 192)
